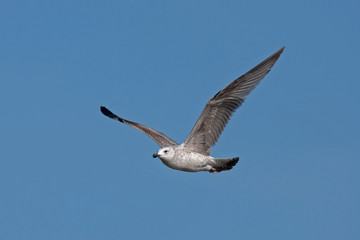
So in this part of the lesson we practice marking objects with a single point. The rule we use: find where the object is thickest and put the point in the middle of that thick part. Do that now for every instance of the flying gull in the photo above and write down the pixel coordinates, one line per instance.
(194, 154)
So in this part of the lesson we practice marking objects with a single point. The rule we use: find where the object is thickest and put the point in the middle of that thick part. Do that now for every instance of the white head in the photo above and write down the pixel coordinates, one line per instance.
(166, 153)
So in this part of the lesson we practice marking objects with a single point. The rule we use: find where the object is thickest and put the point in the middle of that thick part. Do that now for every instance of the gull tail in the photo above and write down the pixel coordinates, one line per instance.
(223, 164)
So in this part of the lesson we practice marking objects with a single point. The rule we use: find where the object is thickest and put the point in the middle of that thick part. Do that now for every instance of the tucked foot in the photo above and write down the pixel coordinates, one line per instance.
(214, 170)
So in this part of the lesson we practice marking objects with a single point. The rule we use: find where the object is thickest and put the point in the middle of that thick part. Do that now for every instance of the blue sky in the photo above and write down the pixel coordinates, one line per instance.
(68, 172)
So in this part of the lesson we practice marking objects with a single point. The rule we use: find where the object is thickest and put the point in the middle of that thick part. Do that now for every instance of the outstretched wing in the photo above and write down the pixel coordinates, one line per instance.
(219, 109)
(157, 136)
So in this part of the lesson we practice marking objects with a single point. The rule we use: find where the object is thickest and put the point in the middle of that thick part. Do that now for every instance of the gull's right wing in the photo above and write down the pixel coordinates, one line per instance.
(219, 109)
(157, 136)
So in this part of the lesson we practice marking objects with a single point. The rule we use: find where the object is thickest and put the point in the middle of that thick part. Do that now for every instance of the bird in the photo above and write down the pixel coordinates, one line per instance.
(193, 155)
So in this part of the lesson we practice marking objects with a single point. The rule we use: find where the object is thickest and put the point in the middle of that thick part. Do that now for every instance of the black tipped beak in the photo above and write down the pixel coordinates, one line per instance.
(155, 155)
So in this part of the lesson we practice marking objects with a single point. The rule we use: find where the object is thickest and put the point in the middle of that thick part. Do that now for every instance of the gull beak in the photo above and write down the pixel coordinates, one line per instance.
(155, 155)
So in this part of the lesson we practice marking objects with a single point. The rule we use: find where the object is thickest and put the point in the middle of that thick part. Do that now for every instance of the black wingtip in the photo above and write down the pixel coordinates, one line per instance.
(105, 111)
(109, 114)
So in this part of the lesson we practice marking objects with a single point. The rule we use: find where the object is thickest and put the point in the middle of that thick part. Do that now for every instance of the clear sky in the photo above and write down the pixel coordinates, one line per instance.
(68, 172)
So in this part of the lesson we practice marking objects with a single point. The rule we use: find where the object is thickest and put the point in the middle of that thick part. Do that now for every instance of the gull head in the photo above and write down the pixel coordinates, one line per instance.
(165, 153)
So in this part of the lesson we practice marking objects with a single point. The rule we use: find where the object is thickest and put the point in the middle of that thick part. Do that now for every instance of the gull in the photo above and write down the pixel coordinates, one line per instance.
(194, 154)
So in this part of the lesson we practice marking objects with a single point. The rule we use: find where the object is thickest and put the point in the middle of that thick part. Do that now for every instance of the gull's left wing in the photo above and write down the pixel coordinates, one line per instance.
(160, 138)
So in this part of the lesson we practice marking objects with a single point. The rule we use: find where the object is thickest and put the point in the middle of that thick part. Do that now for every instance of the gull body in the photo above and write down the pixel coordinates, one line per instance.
(194, 154)
(180, 158)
